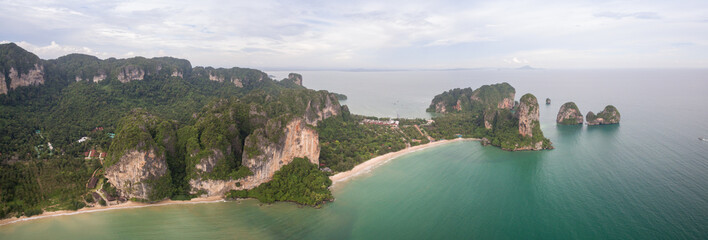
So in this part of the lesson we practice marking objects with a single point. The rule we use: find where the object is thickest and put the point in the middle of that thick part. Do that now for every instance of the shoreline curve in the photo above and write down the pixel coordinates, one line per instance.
(359, 169)
(370, 164)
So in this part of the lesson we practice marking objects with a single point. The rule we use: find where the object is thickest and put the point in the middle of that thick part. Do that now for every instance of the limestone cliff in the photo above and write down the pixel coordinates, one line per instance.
(322, 107)
(527, 114)
(297, 140)
(3, 84)
(240, 77)
(263, 156)
(282, 131)
(99, 77)
(609, 115)
(35, 76)
(130, 73)
(569, 114)
(136, 173)
(137, 159)
(296, 78)
(529, 128)
(19, 68)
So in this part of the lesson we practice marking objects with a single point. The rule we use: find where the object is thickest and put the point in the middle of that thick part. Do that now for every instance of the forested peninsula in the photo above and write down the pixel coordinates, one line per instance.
(490, 113)
(79, 131)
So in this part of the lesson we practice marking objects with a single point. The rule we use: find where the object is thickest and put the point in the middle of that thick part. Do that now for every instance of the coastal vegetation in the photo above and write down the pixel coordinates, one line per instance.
(609, 115)
(347, 140)
(300, 181)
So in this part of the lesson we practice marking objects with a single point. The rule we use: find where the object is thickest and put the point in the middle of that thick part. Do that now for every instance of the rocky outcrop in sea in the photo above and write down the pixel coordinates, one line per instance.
(609, 115)
(569, 114)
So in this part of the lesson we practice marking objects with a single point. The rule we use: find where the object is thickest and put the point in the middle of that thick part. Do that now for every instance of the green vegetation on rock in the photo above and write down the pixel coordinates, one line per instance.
(489, 115)
(300, 181)
(484, 98)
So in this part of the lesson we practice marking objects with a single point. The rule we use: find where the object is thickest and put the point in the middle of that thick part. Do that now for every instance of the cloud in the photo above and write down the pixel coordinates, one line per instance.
(637, 15)
(361, 33)
(54, 50)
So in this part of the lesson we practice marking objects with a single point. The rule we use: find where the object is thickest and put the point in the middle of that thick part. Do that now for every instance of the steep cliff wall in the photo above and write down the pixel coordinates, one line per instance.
(322, 107)
(130, 73)
(296, 78)
(240, 77)
(264, 157)
(281, 131)
(3, 84)
(35, 76)
(569, 114)
(137, 159)
(19, 68)
(137, 173)
(298, 140)
(527, 114)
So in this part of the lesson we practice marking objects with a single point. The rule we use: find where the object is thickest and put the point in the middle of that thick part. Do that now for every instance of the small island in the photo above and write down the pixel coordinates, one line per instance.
(609, 115)
(569, 114)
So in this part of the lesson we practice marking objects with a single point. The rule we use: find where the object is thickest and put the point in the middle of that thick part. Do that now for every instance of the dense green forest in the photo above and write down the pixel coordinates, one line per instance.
(40, 126)
(346, 142)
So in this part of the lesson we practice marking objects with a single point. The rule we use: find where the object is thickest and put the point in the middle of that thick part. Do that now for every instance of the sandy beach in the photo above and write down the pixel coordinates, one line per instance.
(125, 205)
(377, 161)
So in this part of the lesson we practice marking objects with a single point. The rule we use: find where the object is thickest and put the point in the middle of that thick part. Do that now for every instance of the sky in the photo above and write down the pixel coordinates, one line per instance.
(366, 34)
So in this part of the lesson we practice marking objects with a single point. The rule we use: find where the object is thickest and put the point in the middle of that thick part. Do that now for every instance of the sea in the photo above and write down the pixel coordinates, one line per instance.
(645, 178)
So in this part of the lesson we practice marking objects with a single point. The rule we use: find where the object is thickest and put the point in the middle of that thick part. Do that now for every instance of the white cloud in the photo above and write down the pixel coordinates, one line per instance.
(54, 50)
(354, 34)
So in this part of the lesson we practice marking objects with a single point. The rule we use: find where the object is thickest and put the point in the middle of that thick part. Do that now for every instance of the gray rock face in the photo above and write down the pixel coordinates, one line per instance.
(298, 140)
(569, 114)
(296, 78)
(3, 84)
(317, 110)
(609, 115)
(527, 114)
(264, 154)
(135, 173)
(35, 76)
(131, 73)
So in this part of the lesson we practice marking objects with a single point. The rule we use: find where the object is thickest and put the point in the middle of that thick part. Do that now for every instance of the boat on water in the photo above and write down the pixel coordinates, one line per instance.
(703, 139)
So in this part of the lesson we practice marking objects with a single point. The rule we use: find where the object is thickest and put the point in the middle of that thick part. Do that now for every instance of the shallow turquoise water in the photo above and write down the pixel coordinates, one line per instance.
(643, 179)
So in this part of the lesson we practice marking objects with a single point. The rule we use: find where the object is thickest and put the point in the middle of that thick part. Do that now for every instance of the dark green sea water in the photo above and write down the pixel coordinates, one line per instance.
(646, 178)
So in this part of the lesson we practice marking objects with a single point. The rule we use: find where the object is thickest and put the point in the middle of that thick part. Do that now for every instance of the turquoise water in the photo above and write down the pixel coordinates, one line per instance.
(643, 179)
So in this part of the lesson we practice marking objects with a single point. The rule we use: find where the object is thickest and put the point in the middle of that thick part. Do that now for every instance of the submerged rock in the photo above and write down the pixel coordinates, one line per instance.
(609, 115)
(569, 114)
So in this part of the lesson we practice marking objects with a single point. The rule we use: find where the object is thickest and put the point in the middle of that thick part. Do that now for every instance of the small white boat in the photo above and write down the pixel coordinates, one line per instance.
(703, 139)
